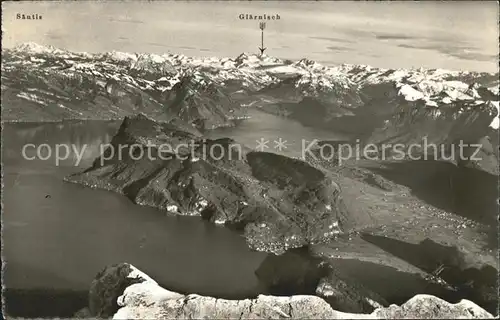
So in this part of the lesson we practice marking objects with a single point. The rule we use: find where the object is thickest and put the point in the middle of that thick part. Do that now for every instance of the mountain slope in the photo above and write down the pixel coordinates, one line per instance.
(58, 84)
(280, 202)
(47, 84)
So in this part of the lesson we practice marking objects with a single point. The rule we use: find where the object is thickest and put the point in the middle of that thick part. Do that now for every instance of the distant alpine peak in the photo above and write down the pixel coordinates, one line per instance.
(253, 71)
(255, 60)
(119, 56)
(369, 74)
(36, 48)
(357, 73)
(307, 63)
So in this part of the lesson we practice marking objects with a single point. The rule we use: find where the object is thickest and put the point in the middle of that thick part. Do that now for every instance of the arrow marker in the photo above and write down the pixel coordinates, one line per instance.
(262, 26)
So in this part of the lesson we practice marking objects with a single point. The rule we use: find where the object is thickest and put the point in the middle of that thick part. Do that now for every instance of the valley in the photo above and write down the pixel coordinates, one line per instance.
(361, 235)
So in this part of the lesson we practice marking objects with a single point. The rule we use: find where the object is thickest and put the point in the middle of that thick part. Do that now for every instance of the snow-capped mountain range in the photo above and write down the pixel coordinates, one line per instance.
(47, 76)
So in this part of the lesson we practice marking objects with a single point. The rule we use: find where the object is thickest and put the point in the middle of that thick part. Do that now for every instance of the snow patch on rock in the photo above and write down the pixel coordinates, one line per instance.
(496, 122)
(172, 208)
(410, 93)
(31, 97)
(220, 221)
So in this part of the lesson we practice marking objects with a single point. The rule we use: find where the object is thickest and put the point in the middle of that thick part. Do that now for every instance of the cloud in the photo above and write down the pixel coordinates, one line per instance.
(334, 48)
(333, 39)
(412, 46)
(382, 36)
(159, 44)
(126, 20)
(454, 49)
(156, 44)
(477, 56)
(338, 48)
(54, 36)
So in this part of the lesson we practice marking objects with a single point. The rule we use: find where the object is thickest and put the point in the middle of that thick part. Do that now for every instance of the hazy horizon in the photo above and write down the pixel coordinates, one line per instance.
(448, 35)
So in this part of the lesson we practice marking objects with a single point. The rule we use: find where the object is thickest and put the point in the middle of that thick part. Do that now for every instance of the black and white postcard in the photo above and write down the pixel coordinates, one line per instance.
(250, 159)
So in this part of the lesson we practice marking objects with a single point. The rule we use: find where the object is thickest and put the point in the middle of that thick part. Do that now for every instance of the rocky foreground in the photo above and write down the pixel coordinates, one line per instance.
(123, 292)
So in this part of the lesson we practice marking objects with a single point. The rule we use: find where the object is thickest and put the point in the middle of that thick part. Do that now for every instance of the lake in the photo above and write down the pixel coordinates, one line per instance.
(58, 235)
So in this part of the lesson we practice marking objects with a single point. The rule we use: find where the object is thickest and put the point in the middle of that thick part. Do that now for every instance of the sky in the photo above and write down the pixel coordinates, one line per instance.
(459, 35)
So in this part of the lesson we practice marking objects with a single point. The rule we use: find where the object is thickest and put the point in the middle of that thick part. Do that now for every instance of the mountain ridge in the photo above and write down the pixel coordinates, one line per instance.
(246, 75)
